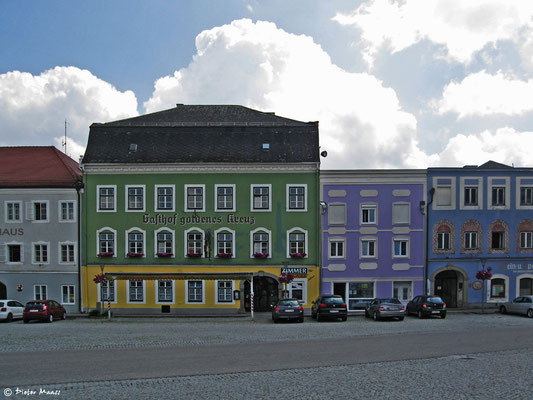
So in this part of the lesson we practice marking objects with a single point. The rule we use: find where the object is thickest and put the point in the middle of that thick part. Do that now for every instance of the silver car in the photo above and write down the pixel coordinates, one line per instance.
(520, 305)
(385, 308)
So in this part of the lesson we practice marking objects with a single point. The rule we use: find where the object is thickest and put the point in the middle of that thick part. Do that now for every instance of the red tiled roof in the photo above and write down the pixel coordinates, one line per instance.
(37, 166)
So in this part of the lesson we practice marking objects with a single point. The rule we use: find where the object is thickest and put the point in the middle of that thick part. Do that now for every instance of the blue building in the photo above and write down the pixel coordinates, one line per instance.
(480, 219)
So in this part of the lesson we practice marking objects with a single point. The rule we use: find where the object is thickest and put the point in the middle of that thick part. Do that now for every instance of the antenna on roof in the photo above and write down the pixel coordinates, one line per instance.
(64, 141)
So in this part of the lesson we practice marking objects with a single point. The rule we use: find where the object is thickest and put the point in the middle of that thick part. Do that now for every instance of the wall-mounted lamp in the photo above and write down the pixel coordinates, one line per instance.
(324, 154)
(422, 206)
(323, 207)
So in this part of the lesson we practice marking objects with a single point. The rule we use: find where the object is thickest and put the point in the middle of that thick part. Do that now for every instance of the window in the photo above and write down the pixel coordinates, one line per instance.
(40, 253)
(444, 236)
(67, 253)
(13, 211)
(497, 288)
(224, 291)
(498, 196)
(260, 242)
(337, 214)
(296, 197)
(67, 211)
(14, 253)
(296, 243)
(107, 291)
(401, 248)
(526, 240)
(471, 196)
(164, 243)
(358, 291)
(225, 195)
(164, 291)
(39, 292)
(368, 248)
(401, 213)
(443, 241)
(136, 242)
(194, 198)
(336, 248)
(261, 198)
(368, 214)
(106, 242)
(526, 287)
(40, 211)
(164, 198)
(526, 196)
(224, 243)
(195, 291)
(136, 291)
(444, 192)
(106, 198)
(135, 198)
(498, 240)
(297, 290)
(67, 294)
(194, 243)
(470, 240)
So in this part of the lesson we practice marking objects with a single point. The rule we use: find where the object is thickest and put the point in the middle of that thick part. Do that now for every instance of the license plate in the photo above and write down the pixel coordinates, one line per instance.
(34, 310)
(289, 310)
(334, 311)
(435, 312)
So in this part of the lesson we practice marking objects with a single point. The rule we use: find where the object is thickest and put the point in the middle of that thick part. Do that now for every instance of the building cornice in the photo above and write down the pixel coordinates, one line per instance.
(214, 168)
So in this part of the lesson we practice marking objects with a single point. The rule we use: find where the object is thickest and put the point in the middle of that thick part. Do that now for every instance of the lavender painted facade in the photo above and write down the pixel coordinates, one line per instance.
(373, 234)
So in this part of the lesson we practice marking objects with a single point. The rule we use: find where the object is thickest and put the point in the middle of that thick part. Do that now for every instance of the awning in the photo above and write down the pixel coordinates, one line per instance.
(143, 276)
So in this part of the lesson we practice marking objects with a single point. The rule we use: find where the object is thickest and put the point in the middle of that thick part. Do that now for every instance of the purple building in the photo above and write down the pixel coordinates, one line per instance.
(373, 234)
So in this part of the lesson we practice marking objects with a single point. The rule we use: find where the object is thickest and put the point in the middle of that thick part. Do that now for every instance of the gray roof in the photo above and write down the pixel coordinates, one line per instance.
(206, 134)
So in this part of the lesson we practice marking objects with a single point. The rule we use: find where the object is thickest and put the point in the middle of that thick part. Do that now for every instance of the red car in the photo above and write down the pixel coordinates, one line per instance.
(43, 310)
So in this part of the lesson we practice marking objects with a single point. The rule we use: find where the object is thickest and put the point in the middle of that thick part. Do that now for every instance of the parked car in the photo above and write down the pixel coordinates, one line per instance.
(43, 310)
(520, 305)
(385, 308)
(10, 310)
(329, 306)
(288, 309)
(426, 306)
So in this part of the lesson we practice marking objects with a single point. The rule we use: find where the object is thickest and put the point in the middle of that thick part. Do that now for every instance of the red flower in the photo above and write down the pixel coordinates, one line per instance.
(260, 255)
(298, 255)
(286, 277)
(484, 275)
(193, 254)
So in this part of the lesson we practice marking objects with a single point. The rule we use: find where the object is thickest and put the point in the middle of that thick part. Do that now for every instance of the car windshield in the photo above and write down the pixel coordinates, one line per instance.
(435, 300)
(33, 304)
(288, 303)
(332, 300)
(390, 301)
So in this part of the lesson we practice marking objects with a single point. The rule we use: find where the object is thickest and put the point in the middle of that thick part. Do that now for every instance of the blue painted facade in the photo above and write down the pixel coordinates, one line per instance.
(480, 219)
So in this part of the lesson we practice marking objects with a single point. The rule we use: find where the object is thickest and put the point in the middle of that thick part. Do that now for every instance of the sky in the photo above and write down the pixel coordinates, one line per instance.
(393, 83)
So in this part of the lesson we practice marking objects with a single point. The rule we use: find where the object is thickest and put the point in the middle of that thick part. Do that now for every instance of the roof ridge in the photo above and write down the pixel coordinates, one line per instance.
(61, 156)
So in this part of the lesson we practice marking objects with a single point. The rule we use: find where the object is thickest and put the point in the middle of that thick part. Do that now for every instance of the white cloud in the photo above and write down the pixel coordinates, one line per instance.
(476, 149)
(464, 27)
(33, 108)
(483, 94)
(263, 67)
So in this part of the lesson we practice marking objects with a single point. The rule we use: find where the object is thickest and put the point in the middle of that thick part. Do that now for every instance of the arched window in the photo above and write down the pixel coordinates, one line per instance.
(106, 239)
(297, 243)
(471, 237)
(194, 241)
(260, 243)
(164, 242)
(498, 237)
(443, 237)
(225, 243)
(135, 243)
(525, 237)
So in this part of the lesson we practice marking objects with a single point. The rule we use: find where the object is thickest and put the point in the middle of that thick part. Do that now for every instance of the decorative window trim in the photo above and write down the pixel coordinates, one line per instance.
(368, 206)
(106, 229)
(452, 187)
(114, 282)
(369, 239)
(6, 252)
(166, 230)
(128, 292)
(451, 227)
(526, 225)
(127, 243)
(344, 249)
(304, 288)
(517, 283)
(216, 292)
(287, 197)
(228, 230)
(156, 202)
(264, 230)
(504, 299)
(60, 212)
(464, 185)
(306, 239)
(187, 291)
(252, 186)
(98, 209)
(33, 254)
(74, 290)
(506, 237)
(403, 239)
(193, 229)
(126, 199)
(471, 226)
(60, 253)
(157, 301)
(185, 203)
(519, 186)
(507, 186)
(21, 212)
(234, 200)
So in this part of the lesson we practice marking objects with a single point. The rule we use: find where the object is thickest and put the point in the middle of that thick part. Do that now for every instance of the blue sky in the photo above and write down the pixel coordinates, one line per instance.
(394, 84)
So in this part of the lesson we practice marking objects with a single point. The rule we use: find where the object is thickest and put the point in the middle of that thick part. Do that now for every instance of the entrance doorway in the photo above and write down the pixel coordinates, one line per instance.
(3, 291)
(446, 287)
(265, 293)
(339, 288)
(402, 291)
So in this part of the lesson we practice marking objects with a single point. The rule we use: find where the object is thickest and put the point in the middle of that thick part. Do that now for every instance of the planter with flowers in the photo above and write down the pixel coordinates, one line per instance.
(285, 278)
(260, 255)
(134, 255)
(105, 254)
(163, 255)
(193, 254)
(298, 255)
(484, 275)
(224, 255)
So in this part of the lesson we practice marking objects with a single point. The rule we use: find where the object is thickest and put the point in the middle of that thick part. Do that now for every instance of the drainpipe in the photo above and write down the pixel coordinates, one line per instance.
(79, 186)
(426, 266)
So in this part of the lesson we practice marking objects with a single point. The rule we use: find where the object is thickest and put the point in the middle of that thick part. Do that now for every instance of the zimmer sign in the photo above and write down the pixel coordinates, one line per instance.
(294, 270)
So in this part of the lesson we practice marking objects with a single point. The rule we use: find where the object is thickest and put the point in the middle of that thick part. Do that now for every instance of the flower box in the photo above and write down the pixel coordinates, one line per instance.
(193, 254)
(162, 255)
(260, 255)
(105, 254)
(298, 255)
(224, 255)
(134, 255)
(484, 275)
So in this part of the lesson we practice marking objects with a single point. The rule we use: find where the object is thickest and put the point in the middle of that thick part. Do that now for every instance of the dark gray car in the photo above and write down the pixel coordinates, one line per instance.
(385, 308)
(520, 305)
(288, 309)
(329, 306)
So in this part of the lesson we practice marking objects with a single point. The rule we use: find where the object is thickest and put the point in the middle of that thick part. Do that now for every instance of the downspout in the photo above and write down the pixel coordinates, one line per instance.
(426, 266)
(79, 186)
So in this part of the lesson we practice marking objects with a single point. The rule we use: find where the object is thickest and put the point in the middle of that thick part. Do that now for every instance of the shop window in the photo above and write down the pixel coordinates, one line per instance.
(497, 288)
(358, 292)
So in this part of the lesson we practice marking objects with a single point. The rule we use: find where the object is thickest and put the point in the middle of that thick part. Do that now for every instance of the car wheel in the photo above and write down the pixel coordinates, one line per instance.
(25, 321)
(530, 313)
(503, 310)
(344, 318)
(375, 316)
(51, 318)
(64, 316)
(443, 315)
(318, 319)
(9, 317)
(400, 318)
(420, 315)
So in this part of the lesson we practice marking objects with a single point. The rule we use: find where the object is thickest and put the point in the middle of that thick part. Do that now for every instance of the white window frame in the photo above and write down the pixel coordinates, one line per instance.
(114, 282)
(193, 229)
(449, 241)
(296, 230)
(464, 185)
(504, 299)
(156, 198)
(451, 186)
(156, 243)
(185, 197)
(21, 212)
(507, 187)
(60, 253)
(287, 189)
(519, 186)
(33, 217)
(234, 198)
(40, 285)
(269, 209)
(187, 291)
(464, 240)
(408, 247)
(368, 239)
(269, 233)
(126, 198)
(227, 230)
(60, 212)
(527, 233)
(106, 229)
(98, 209)
(337, 240)
(368, 206)
(304, 288)
(6, 249)
(33, 254)
(127, 242)
(73, 294)
(157, 301)
(128, 292)
(401, 203)
(217, 301)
